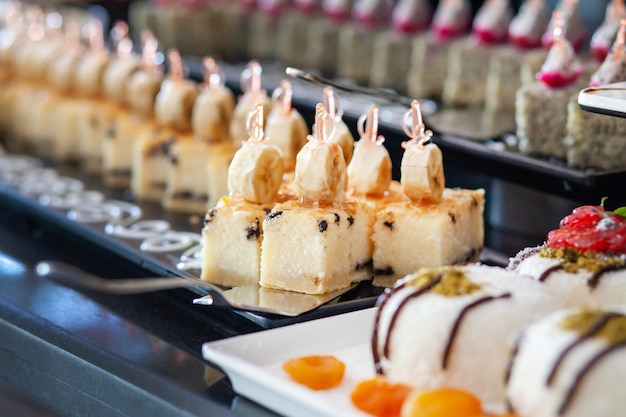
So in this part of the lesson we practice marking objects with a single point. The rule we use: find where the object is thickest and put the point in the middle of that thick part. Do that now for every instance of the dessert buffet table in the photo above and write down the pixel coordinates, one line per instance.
(90, 354)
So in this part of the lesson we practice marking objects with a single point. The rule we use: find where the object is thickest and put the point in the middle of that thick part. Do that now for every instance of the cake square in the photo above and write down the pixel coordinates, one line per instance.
(391, 60)
(355, 50)
(119, 137)
(503, 78)
(541, 118)
(410, 235)
(187, 175)
(96, 114)
(232, 237)
(466, 80)
(150, 163)
(315, 249)
(428, 66)
(594, 140)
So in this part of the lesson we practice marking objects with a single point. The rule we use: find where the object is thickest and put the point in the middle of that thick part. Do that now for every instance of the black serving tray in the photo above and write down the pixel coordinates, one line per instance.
(491, 151)
(160, 242)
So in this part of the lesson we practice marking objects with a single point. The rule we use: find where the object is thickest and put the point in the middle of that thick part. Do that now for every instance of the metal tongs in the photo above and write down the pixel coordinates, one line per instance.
(249, 298)
(428, 106)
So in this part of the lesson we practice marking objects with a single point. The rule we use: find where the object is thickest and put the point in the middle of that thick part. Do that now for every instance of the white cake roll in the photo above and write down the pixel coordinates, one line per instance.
(571, 364)
(594, 281)
(455, 327)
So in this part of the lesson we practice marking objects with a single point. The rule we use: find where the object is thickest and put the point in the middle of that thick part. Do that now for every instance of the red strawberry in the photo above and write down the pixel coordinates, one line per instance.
(590, 228)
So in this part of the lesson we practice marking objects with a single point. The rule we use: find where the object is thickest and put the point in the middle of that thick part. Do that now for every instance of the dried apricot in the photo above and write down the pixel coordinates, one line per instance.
(317, 372)
(445, 402)
(380, 397)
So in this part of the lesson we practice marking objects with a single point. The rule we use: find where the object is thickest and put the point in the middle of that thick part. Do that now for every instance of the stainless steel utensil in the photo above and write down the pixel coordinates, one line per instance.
(249, 298)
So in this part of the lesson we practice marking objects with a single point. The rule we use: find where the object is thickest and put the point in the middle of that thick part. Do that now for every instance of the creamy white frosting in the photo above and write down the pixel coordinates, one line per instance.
(604, 36)
(530, 22)
(411, 15)
(452, 15)
(600, 393)
(573, 287)
(561, 59)
(575, 30)
(494, 17)
(479, 355)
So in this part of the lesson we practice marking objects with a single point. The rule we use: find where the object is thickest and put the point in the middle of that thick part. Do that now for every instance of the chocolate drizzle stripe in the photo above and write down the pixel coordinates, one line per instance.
(512, 357)
(459, 320)
(594, 280)
(571, 392)
(594, 329)
(545, 274)
(375, 335)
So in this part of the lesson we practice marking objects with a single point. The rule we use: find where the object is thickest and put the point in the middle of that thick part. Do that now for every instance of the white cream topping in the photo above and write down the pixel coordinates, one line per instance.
(410, 15)
(453, 14)
(561, 59)
(574, 27)
(494, 17)
(613, 69)
(531, 21)
(605, 35)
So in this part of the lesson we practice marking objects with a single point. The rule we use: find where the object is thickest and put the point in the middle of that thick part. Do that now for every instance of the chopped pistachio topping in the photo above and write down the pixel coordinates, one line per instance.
(613, 331)
(573, 260)
(453, 281)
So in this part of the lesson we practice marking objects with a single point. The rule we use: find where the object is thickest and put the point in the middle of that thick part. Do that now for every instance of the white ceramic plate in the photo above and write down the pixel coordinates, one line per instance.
(253, 363)
(607, 99)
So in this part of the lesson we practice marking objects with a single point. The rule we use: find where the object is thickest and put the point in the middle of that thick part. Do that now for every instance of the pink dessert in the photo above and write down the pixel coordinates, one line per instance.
(371, 13)
(272, 7)
(605, 34)
(529, 24)
(491, 23)
(411, 16)
(613, 68)
(573, 26)
(452, 18)
(194, 4)
(561, 67)
(337, 10)
(306, 6)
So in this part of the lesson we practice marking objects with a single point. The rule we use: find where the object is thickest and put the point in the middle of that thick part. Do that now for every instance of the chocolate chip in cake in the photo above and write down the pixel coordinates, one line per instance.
(322, 225)
(363, 265)
(337, 218)
(350, 221)
(384, 271)
(273, 215)
(389, 224)
(253, 232)
(209, 216)
(452, 217)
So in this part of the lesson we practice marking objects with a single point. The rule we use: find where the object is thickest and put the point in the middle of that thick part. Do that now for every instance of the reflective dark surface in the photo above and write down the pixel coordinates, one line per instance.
(92, 354)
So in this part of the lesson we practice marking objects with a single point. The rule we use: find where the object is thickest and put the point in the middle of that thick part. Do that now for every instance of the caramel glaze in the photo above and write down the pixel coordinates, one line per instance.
(459, 319)
(387, 295)
(571, 392)
(595, 328)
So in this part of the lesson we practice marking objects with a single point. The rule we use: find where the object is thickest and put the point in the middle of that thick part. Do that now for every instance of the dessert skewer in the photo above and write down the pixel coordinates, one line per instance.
(286, 126)
(136, 116)
(173, 107)
(233, 232)
(197, 174)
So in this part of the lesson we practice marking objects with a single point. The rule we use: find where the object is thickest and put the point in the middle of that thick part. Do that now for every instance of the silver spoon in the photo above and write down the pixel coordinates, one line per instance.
(250, 297)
